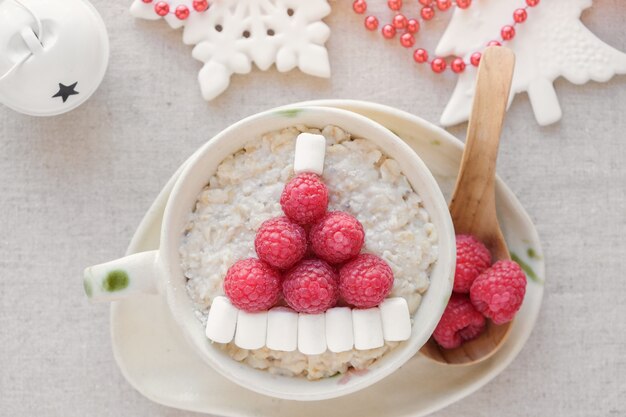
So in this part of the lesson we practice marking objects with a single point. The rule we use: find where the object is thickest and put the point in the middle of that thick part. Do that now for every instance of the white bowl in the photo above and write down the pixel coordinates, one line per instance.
(165, 262)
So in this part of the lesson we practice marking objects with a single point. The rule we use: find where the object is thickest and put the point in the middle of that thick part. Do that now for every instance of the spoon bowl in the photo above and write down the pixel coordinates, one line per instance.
(473, 204)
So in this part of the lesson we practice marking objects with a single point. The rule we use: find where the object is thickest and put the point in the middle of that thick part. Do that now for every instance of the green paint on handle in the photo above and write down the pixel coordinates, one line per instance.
(527, 268)
(435, 142)
(115, 281)
(87, 287)
(532, 254)
(289, 112)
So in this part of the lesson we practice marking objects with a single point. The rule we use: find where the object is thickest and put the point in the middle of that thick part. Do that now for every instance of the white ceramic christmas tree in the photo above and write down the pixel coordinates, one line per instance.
(233, 34)
(553, 42)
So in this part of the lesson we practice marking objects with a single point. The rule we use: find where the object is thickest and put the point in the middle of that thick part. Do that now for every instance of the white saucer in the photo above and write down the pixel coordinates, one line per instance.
(154, 357)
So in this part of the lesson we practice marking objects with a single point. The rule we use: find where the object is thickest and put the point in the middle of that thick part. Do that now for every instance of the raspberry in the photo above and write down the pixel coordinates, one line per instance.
(337, 237)
(280, 242)
(311, 287)
(305, 198)
(499, 291)
(472, 258)
(252, 285)
(365, 281)
(460, 322)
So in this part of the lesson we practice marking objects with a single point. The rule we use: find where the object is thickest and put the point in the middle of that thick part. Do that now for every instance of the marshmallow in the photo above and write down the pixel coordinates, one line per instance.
(396, 319)
(222, 320)
(282, 329)
(251, 330)
(368, 328)
(339, 332)
(310, 152)
(312, 334)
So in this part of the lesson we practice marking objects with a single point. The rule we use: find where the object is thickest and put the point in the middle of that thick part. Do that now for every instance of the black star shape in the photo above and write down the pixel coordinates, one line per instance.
(66, 91)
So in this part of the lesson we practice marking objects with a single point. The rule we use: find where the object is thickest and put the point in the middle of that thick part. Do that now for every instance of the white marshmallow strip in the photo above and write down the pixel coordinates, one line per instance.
(251, 332)
(312, 334)
(310, 153)
(282, 329)
(338, 330)
(222, 321)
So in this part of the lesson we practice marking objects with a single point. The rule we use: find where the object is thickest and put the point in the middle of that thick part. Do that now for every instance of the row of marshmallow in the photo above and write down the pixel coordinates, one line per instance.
(339, 329)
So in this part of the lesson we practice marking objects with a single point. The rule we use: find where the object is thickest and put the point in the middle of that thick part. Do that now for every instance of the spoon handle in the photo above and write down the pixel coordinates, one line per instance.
(473, 208)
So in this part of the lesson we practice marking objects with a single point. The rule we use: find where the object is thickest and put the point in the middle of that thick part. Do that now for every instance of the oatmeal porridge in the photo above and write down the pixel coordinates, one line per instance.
(245, 191)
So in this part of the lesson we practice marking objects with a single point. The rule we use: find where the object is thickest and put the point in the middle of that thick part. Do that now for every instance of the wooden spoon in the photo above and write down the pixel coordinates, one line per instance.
(473, 205)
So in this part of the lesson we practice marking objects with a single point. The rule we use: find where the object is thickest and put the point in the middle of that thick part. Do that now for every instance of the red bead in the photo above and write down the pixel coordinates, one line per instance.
(394, 4)
(388, 31)
(371, 23)
(407, 40)
(463, 4)
(475, 58)
(457, 65)
(399, 21)
(532, 3)
(444, 5)
(200, 5)
(420, 55)
(147, 1)
(494, 43)
(182, 12)
(427, 13)
(438, 65)
(162, 8)
(507, 32)
(520, 15)
(412, 26)
(359, 6)
(425, 2)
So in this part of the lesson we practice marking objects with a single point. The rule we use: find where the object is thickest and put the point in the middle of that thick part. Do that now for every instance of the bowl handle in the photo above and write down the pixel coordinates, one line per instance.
(124, 277)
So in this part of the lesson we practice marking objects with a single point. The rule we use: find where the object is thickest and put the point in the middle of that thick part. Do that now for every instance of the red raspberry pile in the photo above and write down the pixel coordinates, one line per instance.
(481, 291)
(310, 256)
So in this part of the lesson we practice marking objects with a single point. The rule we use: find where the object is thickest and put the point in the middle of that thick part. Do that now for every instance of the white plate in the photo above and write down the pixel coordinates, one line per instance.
(155, 359)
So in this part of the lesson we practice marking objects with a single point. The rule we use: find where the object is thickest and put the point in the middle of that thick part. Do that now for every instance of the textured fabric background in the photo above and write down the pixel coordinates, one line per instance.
(73, 189)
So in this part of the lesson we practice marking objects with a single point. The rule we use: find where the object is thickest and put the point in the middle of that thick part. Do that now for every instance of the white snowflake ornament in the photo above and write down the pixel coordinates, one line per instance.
(551, 43)
(233, 34)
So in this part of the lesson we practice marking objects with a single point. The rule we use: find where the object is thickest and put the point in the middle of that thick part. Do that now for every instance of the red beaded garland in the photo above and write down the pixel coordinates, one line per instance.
(200, 5)
(388, 31)
(399, 21)
(394, 4)
(457, 65)
(359, 6)
(408, 27)
(407, 40)
(371, 22)
(438, 65)
(444, 5)
(182, 12)
(520, 15)
(507, 32)
(427, 13)
(162, 8)
(475, 58)
(412, 26)
(420, 55)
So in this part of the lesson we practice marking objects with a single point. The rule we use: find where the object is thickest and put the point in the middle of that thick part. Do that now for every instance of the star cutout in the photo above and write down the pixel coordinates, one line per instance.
(66, 91)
